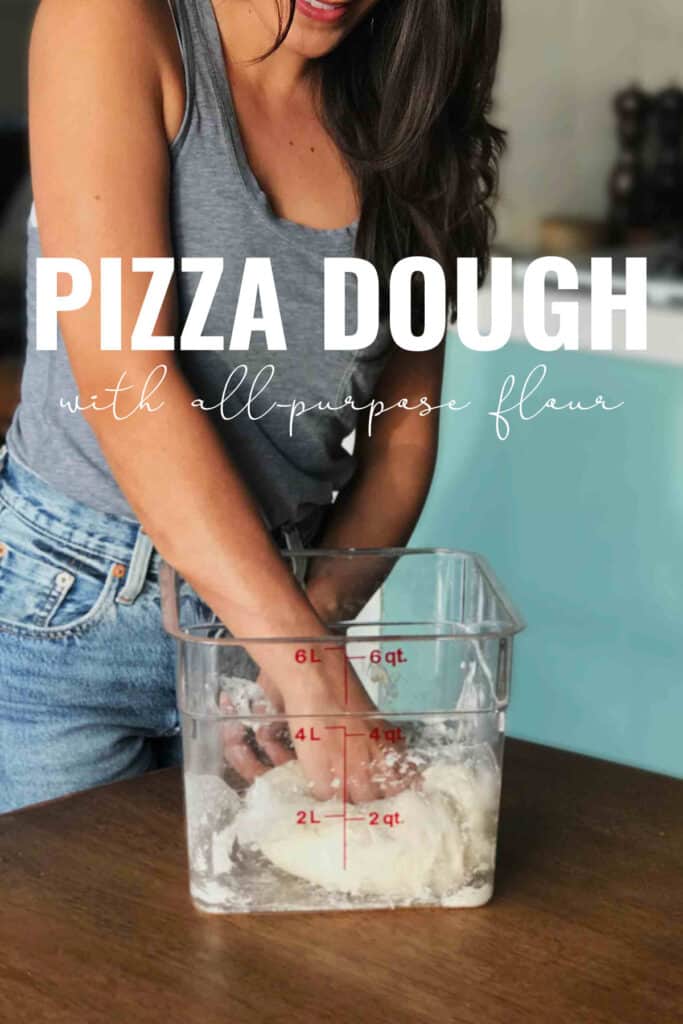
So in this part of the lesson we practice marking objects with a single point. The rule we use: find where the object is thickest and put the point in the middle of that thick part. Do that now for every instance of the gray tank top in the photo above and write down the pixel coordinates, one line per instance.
(217, 208)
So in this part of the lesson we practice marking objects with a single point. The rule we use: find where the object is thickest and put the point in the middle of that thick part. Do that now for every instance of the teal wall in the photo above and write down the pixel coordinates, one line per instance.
(581, 517)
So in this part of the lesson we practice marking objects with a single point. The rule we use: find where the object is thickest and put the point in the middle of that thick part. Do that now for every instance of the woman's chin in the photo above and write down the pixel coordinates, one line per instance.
(313, 33)
(311, 41)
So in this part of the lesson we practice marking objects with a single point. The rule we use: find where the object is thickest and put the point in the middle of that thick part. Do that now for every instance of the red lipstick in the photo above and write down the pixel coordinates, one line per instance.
(322, 10)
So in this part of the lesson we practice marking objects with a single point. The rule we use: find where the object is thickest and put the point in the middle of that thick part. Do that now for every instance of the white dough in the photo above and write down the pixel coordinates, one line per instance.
(446, 837)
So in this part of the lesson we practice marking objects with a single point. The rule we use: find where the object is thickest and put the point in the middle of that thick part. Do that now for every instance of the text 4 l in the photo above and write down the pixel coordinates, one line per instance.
(307, 734)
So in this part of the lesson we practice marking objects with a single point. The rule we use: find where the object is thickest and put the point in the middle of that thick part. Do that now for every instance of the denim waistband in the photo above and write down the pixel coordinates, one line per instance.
(102, 534)
(54, 513)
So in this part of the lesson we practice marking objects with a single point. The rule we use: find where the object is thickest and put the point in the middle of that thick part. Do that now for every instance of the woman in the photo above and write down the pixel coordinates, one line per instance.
(231, 129)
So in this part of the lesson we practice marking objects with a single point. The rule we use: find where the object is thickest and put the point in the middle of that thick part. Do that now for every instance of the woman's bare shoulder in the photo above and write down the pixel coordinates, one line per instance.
(132, 42)
(145, 23)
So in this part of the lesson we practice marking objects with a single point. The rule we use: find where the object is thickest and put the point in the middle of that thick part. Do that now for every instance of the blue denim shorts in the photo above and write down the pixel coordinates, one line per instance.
(87, 674)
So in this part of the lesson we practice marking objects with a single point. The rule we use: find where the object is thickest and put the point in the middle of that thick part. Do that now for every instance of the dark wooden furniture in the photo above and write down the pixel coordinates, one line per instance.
(586, 925)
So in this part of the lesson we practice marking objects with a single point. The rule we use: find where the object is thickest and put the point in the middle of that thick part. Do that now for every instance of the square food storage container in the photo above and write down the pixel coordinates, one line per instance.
(429, 634)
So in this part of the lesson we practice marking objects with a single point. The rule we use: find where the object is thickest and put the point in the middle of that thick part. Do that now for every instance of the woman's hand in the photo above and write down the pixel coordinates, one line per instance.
(253, 751)
(350, 758)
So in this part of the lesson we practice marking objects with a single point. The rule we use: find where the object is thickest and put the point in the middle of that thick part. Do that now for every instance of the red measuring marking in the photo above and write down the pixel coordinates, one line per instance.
(343, 815)
(342, 648)
(347, 658)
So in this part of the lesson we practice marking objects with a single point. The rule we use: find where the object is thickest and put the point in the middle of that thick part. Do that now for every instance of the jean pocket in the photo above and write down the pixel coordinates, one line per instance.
(47, 589)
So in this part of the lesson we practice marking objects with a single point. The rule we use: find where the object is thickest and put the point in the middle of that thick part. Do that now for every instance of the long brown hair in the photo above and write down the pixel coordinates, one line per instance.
(406, 97)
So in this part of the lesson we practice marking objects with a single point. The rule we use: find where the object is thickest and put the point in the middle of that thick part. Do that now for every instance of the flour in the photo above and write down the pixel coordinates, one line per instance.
(434, 842)
(208, 804)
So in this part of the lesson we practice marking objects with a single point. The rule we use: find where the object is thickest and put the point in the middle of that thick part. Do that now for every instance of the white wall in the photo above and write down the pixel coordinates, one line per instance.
(562, 62)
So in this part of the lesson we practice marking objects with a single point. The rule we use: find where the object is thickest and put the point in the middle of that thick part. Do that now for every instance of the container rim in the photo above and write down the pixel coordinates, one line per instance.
(168, 578)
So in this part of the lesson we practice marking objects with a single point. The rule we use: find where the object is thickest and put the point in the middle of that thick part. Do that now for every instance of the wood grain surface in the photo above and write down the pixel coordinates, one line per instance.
(586, 925)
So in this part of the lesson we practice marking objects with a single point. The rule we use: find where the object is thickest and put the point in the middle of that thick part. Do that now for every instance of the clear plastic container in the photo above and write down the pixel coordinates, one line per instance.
(429, 634)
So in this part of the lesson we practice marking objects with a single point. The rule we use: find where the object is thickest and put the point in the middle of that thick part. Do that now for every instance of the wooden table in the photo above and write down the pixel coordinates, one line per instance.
(586, 926)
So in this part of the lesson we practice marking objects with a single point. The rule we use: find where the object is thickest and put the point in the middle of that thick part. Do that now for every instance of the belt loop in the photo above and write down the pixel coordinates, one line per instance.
(137, 570)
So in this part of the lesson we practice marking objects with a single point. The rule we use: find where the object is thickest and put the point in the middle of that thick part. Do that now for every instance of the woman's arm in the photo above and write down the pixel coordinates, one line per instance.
(100, 173)
(383, 502)
(100, 169)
